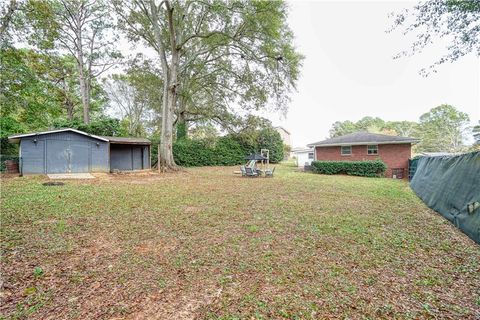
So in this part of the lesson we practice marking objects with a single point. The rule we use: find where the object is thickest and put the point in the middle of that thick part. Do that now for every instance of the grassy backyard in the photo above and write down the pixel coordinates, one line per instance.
(205, 243)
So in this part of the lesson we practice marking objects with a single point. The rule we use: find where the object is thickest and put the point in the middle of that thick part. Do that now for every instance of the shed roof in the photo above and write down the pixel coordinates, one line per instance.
(116, 140)
(16, 138)
(127, 140)
(361, 138)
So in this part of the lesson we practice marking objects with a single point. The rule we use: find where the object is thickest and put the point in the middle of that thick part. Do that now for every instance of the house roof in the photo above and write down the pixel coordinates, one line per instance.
(16, 138)
(361, 138)
(302, 150)
(127, 140)
(119, 140)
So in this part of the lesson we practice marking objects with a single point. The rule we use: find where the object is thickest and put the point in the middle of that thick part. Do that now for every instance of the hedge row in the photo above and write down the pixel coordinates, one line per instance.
(225, 151)
(228, 150)
(355, 168)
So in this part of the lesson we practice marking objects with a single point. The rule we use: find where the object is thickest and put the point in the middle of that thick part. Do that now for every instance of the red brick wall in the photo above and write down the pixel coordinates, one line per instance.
(394, 155)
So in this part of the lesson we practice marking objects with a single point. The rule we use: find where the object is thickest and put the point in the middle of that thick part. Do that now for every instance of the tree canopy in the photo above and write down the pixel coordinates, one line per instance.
(442, 129)
(215, 64)
(455, 21)
(374, 125)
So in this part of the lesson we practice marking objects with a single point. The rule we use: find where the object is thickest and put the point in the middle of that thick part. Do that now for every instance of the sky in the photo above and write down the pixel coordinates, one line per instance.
(349, 71)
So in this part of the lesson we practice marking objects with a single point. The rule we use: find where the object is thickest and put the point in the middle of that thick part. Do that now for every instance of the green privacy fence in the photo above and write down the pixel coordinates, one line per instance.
(450, 185)
(412, 167)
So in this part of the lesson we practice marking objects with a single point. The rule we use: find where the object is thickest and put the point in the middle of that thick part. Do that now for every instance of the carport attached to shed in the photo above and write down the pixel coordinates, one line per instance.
(129, 153)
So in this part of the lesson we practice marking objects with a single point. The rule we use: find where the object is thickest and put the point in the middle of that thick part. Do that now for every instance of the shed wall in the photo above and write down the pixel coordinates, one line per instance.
(32, 156)
(302, 158)
(63, 152)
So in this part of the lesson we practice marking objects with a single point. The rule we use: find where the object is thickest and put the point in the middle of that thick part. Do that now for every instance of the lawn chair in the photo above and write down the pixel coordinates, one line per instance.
(250, 172)
(244, 172)
(251, 164)
(269, 173)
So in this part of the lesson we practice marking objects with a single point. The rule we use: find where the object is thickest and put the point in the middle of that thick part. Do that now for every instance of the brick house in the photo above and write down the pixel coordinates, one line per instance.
(361, 146)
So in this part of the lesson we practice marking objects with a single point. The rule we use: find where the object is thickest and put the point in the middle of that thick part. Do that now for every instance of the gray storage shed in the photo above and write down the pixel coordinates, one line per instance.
(70, 150)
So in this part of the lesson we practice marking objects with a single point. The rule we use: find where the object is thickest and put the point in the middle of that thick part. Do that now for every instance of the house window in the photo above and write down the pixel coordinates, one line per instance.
(310, 155)
(372, 149)
(346, 150)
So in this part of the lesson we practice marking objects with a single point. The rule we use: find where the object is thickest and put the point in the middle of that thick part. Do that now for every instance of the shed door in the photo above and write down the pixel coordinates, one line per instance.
(65, 156)
(79, 156)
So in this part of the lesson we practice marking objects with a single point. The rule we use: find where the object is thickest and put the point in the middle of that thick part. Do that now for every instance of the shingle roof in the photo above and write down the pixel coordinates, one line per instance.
(360, 138)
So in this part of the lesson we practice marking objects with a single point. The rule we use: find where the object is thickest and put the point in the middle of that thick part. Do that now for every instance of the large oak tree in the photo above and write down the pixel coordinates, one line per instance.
(213, 55)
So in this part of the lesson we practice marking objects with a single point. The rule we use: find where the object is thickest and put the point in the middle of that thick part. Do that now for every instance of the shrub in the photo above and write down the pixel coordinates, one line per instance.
(9, 126)
(225, 151)
(270, 139)
(192, 153)
(355, 168)
(228, 152)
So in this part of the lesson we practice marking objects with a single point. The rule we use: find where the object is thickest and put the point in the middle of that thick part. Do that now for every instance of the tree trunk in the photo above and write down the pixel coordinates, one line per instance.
(182, 132)
(170, 74)
(83, 92)
(82, 77)
(69, 105)
(165, 152)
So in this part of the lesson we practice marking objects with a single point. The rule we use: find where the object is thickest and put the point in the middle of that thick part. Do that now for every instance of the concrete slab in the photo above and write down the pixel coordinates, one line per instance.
(55, 176)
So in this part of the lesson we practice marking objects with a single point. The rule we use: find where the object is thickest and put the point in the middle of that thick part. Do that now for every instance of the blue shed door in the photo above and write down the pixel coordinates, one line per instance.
(64, 156)
(80, 154)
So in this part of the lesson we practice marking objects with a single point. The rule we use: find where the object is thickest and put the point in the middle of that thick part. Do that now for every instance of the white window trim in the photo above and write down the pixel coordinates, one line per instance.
(372, 154)
(345, 154)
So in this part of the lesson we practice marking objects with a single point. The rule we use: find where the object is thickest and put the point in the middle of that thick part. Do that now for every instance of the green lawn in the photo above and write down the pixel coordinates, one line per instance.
(208, 244)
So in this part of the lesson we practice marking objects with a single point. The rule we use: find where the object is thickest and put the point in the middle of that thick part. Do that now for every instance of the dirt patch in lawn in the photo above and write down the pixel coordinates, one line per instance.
(156, 247)
(140, 177)
(177, 304)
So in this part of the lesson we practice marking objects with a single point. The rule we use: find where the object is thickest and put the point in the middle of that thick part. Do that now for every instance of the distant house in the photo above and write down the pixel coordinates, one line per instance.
(303, 156)
(71, 151)
(360, 146)
(476, 136)
(284, 134)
